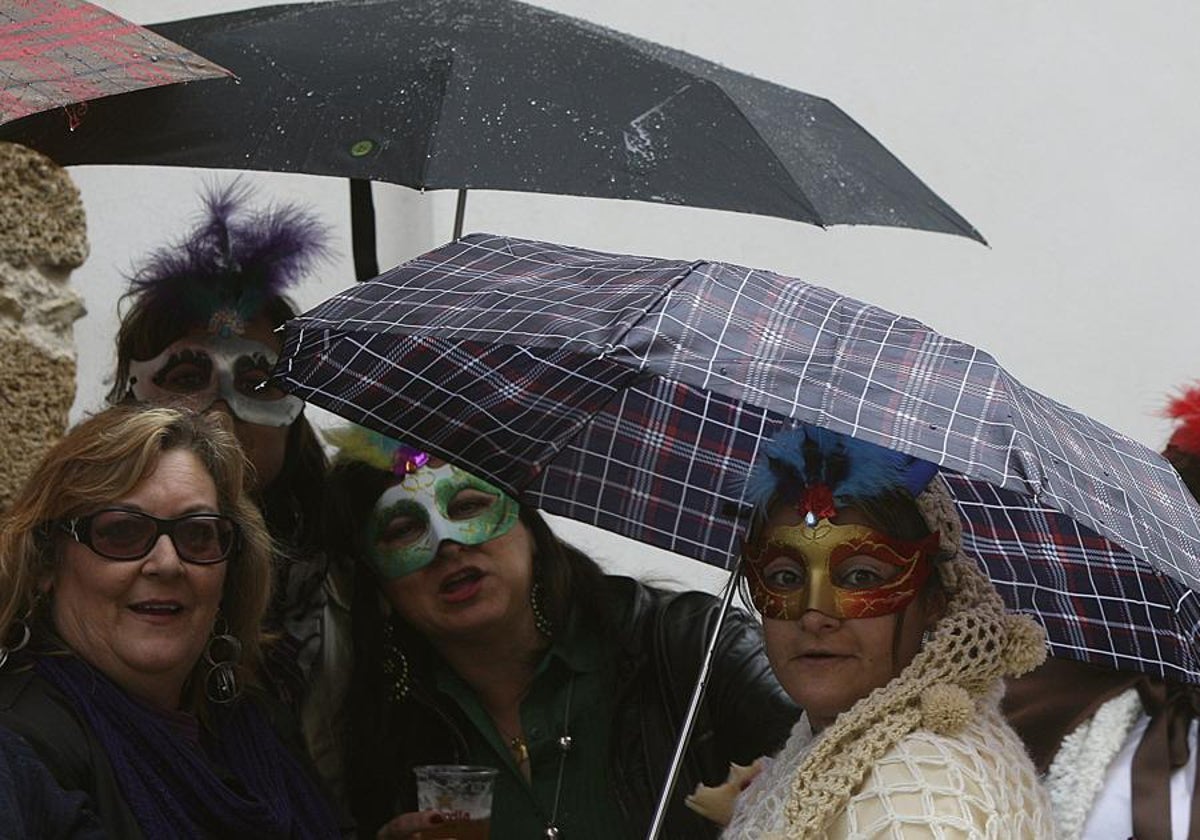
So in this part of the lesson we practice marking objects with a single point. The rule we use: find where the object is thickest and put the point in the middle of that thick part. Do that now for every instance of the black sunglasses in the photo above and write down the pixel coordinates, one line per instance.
(118, 534)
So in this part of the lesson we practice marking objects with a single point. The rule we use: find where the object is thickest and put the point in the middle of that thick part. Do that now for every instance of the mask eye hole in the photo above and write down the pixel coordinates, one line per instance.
(249, 374)
(185, 372)
(785, 574)
(469, 503)
(863, 572)
(401, 525)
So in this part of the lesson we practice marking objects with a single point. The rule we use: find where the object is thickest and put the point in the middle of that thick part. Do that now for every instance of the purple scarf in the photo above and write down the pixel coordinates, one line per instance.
(243, 783)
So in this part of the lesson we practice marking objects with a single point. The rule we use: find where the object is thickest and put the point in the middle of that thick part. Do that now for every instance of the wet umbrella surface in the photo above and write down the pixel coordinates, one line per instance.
(632, 394)
(496, 94)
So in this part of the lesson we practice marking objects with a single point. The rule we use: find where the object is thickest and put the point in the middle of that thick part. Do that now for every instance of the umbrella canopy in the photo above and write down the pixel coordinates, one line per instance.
(497, 94)
(55, 53)
(633, 393)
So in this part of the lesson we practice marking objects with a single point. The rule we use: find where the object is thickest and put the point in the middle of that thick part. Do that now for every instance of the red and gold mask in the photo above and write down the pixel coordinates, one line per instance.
(843, 571)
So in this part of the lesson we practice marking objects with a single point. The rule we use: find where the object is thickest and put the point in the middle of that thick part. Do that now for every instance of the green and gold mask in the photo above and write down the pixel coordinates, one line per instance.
(432, 504)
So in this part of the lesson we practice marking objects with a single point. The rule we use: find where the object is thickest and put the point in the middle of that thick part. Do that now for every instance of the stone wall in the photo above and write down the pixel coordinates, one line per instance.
(43, 237)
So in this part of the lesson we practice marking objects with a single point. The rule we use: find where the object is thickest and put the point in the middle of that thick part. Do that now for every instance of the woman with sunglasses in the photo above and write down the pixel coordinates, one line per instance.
(894, 644)
(134, 572)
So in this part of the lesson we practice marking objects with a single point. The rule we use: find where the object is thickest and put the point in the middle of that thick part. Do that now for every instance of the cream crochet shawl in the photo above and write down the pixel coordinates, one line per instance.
(952, 685)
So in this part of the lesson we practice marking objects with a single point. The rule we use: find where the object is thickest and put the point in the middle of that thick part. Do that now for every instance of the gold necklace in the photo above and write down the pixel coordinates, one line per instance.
(519, 748)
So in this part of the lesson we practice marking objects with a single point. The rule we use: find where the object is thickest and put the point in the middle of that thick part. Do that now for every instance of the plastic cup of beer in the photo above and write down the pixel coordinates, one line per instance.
(462, 794)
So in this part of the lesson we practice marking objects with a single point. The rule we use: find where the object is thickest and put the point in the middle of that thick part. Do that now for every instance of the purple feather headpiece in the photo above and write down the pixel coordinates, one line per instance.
(233, 263)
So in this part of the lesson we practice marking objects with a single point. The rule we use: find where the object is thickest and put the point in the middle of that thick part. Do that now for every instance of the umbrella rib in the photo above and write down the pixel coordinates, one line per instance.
(436, 126)
(652, 307)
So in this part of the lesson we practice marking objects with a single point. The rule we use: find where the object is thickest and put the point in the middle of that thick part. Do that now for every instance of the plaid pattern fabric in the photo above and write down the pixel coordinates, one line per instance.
(61, 52)
(633, 393)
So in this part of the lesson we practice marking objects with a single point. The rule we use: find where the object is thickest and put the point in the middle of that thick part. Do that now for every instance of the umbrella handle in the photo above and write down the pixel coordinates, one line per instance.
(689, 721)
(362, 230)
(460, 210)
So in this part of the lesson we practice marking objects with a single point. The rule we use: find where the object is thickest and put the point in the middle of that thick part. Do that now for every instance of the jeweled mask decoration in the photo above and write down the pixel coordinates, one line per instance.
(844, 570)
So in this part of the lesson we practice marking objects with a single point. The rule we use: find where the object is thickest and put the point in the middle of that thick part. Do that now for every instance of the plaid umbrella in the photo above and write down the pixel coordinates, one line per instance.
(632, 394)
(62, 52)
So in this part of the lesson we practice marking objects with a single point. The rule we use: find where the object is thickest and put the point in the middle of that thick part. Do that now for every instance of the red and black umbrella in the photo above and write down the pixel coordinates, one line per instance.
(56, 53)
(633, 393)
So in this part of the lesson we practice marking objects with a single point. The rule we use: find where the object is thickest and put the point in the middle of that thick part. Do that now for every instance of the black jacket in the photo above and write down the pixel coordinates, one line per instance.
(662, 638)
(39, 713)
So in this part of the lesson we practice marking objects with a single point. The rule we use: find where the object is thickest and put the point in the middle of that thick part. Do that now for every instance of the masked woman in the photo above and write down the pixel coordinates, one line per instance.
(134, 571)
(199, 332)
(481, 638)
(894, 644)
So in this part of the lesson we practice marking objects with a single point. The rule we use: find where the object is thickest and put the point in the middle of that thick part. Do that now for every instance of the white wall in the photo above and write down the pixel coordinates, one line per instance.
(1066, 132)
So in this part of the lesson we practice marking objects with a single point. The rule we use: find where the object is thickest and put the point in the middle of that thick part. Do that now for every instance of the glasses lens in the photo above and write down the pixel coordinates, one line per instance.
(121, 534)
(202, 539)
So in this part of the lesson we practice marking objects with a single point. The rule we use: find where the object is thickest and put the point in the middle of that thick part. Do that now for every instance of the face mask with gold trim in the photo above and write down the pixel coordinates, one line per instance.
(431, 505)
(843, 571)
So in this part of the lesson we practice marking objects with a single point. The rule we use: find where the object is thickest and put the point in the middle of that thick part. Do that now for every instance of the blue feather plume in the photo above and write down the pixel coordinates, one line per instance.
(851, 468)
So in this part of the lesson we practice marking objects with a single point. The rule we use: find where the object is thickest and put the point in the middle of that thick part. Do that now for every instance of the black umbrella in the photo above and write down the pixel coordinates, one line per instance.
(497, 94)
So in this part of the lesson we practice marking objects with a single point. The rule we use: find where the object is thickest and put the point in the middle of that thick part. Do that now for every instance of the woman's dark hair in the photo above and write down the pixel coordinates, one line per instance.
(1187, 464)
(568, 578)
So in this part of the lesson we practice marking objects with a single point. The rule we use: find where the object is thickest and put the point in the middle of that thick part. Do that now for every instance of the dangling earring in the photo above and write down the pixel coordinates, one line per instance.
(21, 627)
(222, 654)
(395, 663)
(540, 621)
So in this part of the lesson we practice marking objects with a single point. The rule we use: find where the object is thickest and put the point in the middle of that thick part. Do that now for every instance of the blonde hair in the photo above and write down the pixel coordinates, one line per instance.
(105, 457)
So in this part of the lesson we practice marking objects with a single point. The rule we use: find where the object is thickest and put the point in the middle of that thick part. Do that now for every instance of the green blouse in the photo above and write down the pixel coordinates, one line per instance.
(575, 671)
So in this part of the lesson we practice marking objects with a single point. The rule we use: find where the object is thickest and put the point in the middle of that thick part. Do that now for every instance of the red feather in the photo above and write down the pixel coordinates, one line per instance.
(1186, 410)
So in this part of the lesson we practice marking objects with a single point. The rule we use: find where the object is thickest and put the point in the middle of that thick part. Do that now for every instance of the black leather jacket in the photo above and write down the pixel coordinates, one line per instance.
(662, 636)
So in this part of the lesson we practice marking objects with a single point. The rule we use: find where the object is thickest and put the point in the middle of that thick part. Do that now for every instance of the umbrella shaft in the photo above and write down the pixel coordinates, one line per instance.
(689, 721)
(460, 210)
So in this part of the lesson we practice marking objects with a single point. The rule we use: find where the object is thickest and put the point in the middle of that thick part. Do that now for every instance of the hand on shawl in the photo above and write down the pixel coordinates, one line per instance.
(716, 803)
